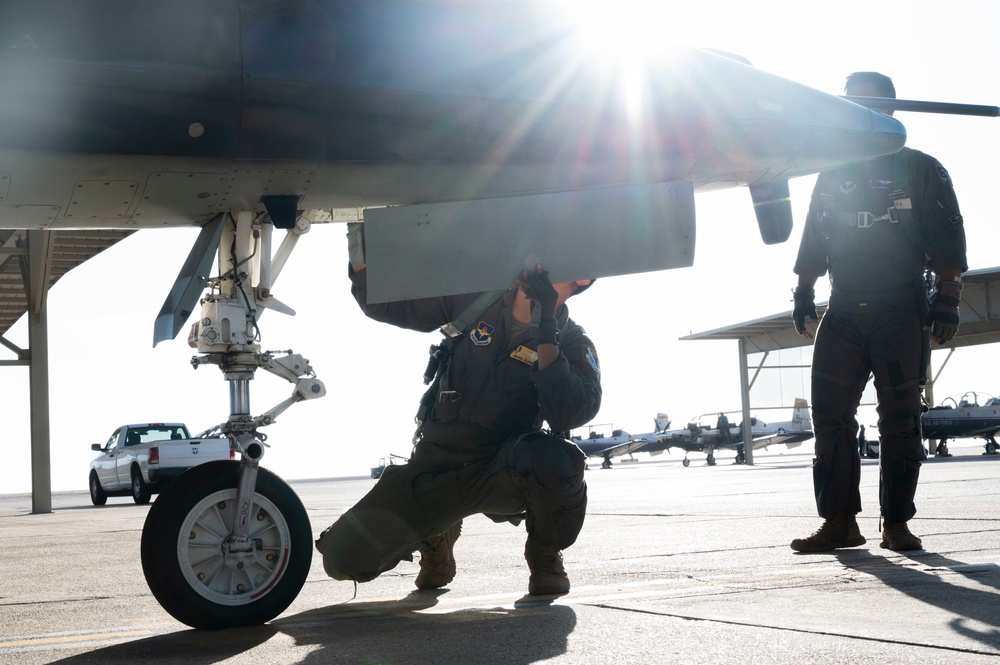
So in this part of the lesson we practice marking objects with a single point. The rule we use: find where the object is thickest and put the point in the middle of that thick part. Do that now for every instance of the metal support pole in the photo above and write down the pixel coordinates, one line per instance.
(745, 401)
(37, 285)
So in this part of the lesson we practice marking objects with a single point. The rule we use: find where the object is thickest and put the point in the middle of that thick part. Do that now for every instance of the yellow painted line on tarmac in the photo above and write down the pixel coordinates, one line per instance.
(62, 639)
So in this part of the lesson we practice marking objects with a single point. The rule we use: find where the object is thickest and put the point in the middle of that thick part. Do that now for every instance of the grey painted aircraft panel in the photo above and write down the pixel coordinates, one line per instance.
(471, 246)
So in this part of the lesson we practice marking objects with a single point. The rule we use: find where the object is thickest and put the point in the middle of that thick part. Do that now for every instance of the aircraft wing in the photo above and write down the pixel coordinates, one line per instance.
(665, 441)
(616, 450)
(61, 252)
(454, 126)
(790, 439)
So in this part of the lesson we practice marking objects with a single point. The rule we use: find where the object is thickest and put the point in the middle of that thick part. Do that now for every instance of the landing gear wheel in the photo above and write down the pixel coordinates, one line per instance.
(140, 490)
(991, 448)
(741, 458)
(942, 450)
(606, 464)
(187, 562)
(710, 461)
(686, 462)
(97, 494)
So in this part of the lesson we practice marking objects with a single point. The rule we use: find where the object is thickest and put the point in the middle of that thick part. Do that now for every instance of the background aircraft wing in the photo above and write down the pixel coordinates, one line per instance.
(617, 450)
(789, 439)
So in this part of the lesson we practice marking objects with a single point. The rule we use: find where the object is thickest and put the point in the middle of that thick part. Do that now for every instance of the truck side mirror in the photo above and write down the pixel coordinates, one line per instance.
(96, 446)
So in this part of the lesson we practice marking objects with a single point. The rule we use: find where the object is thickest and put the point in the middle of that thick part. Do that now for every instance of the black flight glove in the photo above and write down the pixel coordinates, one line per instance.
(537, 286)
(943, 319)
(805, 305)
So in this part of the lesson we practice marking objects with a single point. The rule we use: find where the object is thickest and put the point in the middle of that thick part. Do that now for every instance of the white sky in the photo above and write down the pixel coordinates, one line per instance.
(104, 371)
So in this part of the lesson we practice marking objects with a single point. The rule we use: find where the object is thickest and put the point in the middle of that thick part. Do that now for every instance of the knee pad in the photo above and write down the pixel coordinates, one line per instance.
(376, 533)
(900, 426)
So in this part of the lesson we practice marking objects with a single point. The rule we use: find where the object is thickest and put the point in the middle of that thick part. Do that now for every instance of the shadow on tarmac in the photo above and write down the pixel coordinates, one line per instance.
(932, 587)
(400, 632)
(397, 632)
(187, 646)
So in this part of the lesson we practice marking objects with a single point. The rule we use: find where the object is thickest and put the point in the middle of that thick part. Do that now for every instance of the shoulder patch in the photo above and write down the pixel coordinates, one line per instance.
(482, 334)
(592, 360)
(848, 186)
(943, 174)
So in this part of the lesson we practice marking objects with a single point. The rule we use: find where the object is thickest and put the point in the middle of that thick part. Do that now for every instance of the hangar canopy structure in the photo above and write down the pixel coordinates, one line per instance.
(980, 324)
(30, 263)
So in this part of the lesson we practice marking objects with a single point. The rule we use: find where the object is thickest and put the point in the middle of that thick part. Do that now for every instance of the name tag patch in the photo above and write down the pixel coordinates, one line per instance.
(525, 355)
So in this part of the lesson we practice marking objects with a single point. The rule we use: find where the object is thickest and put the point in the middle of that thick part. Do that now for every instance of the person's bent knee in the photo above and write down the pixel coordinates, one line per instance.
(558, 466)
(353, 552)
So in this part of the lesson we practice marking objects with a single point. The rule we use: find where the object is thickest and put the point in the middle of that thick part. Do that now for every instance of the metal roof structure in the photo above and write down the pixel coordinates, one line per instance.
(31, 261)
(68, 250)
(980, 324)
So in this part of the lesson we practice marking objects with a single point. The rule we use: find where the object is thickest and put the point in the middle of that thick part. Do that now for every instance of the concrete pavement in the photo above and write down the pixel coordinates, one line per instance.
(674, 565)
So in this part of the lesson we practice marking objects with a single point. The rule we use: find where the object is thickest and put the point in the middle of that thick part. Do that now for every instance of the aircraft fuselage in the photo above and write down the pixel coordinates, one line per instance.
(146, 115)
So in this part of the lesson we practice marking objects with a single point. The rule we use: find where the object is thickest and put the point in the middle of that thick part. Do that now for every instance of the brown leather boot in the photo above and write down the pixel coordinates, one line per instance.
(835, 533)
(437, 559)
(548, 577)
(896, 536)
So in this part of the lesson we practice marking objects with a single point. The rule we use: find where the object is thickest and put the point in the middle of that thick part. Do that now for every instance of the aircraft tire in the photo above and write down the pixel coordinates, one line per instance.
(97, 494)
(140, 490)
(605, 464)
(991, 448)
(182, 549)
(686, 462)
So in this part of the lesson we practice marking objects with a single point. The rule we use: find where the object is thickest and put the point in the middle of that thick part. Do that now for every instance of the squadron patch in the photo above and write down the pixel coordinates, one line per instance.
(482, 334)
(943, 174)
(525, 355)
(880, 184)
(848, 186)
(593, 361)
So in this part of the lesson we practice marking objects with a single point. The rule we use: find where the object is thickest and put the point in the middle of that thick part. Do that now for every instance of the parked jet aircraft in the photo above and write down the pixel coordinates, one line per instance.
(972, 415)
(702, 436)
(497, 134)
(595, 444)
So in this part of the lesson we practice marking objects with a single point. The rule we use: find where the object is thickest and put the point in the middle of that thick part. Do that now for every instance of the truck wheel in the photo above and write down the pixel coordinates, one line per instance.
(97, 494)
(140, 490)
(186, 560)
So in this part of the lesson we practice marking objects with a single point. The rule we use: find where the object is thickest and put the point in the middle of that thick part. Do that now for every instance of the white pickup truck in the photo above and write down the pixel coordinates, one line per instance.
(141, 459)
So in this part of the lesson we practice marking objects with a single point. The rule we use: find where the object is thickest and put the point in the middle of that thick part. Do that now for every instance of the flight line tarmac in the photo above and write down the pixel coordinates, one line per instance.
(674, 565)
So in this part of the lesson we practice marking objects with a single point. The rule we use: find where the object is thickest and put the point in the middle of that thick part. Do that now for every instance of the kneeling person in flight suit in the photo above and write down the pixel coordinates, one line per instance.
(480, 447)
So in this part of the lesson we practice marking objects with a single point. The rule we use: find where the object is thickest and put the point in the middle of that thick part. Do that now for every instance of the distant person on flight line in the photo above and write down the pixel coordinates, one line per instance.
(875, 226)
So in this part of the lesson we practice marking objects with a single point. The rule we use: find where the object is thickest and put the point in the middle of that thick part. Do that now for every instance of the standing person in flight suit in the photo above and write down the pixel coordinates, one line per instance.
(480, 446)
(876, 226)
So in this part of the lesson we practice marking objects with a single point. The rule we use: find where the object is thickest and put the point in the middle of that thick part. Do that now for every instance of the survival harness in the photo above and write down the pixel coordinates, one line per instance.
(901, 211)
(436, 373)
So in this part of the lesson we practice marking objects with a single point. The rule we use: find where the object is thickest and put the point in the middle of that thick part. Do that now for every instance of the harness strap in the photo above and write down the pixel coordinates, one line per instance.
(902, 210)
(452, 331)
(461, 324)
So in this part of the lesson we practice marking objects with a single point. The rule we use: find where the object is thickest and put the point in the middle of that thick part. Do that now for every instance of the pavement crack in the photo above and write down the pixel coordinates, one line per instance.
(787, 629)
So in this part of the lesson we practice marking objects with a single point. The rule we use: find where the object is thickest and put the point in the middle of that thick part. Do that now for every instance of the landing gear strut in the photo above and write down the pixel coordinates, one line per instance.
(228, 543)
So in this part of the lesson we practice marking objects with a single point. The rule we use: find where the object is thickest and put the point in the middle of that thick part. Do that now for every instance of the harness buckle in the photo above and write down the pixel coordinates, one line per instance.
(867, 219)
